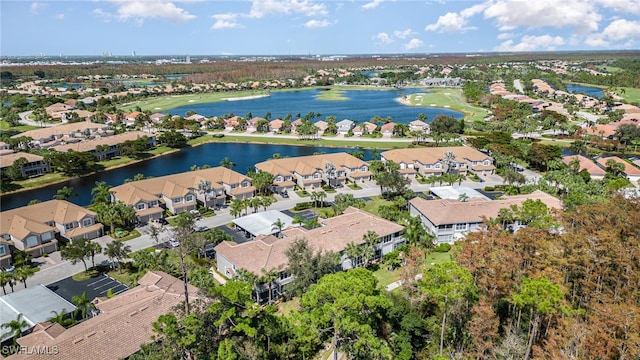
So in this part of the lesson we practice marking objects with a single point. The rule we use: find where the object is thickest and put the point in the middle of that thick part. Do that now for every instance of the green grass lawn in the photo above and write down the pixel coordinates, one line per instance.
(4, 125)
(448, 98)
(328, 142)
(373, 205)
(333, 94)
(631, 95)
(287, 307)
(385, 277)
(166, 103)
(438, 258)
(45, 179)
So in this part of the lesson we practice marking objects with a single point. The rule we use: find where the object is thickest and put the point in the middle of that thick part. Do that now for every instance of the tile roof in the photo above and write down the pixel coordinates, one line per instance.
(629, 169)
(7, 160)
(125, 323)
(447, 211)
(63, 129)
(333, 235)
(433, 155)
(307, 165)
(585, 163)
(91, 144)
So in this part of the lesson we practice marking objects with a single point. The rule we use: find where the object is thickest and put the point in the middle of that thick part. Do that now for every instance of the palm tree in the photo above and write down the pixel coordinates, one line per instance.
(227, 163)
(278, 225)
(93, 249)
(16, 326)
(63, 193)
(371, 238)
(463, 197)
(117, 250)
(100, 192)
(83, 304)
(155, 231)
(353, 252)
(6, 278)
(298, 220)
(267, 201)
(61, 318)
(268, 277)
(22, 273)
(255, 203)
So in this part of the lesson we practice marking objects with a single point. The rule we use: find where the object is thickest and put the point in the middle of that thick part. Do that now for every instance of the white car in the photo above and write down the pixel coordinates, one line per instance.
(173, 242)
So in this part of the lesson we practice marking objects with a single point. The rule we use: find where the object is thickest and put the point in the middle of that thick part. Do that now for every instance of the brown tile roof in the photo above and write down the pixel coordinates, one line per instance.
(33, 218)
(63, 129)
(585, 163)
(333, 235)
(91, 144)
(176, 184)
(307, 165)
(629, 169)
(125, 322)
(447, 211)
(7, 160)
(433, 155)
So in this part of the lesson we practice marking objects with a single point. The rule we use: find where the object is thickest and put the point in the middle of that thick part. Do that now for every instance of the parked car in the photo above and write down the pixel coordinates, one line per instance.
(284, 194)
(173, 242)
(201, 228)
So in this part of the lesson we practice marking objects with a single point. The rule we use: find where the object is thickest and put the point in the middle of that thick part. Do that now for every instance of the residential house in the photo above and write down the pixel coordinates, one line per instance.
(34, 228)
(419, 125)
(275, 125)
(344, 126)
(5, 254)
(310, 172)
(157, 118)
(387, 129)
(232, 123)
(123, 324)
(34, 165)
(333, 235)
(440, 160)
(58, 109)
(631, 172)
(107, 147)
(322, 126)
(364, 128)
(183, 191)
(294, 125)
(587, 164)
(56, 135)
(197, 117)
(450, 220)
(129, 119)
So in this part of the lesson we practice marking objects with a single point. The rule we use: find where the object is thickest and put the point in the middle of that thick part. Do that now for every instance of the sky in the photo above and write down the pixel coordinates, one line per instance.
(314, 27)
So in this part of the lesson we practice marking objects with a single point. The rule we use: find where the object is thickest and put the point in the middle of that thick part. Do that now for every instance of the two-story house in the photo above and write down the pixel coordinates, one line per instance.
(56, 135)
(344, 126)
(333, 235)
(450, 220)
(107, 147)
(311, 172)
(183, 191)
(32, 165)
(440, 160)
(34, 228)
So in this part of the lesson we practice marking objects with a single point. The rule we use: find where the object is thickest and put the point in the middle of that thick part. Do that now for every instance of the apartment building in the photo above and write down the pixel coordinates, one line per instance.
(440, 160)
(50, 136)
(33, 165)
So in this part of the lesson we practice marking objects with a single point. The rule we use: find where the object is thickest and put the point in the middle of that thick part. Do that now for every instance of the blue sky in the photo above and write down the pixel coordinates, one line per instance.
(302, 27)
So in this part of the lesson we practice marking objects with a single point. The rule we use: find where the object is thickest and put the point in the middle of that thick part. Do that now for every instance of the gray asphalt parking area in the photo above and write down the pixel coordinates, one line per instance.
(96, 286)
(304, 215)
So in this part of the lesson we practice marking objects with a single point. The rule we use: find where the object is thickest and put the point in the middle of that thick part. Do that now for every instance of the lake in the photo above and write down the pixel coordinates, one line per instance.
(586, 90)
(244, 155)
(361, 106)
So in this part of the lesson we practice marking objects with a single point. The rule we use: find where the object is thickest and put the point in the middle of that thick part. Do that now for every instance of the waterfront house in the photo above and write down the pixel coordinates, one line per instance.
(587, 164)
(631, 172)
(275, 125)
(107, 147)
(269, 252)
(34, 165)
(344, 126)
(440, 160)
(419, 125)
(450, 220)
(55, 135)
(310, 172)
(34, 228)
(183, 191)
(364, 128)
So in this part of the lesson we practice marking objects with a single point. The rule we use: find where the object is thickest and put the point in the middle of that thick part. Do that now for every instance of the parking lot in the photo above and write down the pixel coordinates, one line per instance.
(96, 286)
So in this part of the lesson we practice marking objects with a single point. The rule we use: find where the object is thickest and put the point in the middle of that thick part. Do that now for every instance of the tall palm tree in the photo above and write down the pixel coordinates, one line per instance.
(100, 192)
(16, 327)
(278, 225)
(353, 252)
(6, 278)
(155, 231)
(298, 220)
(63, 193)
(227, 163)
(267, 201)
(83, 304)
(371, 239)
(268, 277)
(63, 318)
(24, 272)
(117, 250)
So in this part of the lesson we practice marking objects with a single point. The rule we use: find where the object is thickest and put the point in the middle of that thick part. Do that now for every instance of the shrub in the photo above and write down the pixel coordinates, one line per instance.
(442, 248)
(302, 206)
(110, 293)
(489, 188)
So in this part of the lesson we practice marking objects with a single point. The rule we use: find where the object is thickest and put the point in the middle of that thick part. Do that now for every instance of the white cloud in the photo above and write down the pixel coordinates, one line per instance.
(623, 6)
(413, 44)
(104, 15)
(35, 6)
(596, 40)
(504, 36)
(532, 43)
(450, 22)
(622, 29)
(317, 23)
(261, 8)
(59, 17)
(511, 14)
(141, 9)
(403, 34)
(225, 21)
(372, 5)
(383, 38)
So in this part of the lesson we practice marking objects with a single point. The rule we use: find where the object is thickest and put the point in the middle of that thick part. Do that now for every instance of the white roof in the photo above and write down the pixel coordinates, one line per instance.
(35, 303)
(262, 223)
(453, 193)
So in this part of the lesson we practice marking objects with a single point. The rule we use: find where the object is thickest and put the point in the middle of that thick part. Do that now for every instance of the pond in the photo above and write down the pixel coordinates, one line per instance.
(586, 90)
(243, 155)
(361, 106)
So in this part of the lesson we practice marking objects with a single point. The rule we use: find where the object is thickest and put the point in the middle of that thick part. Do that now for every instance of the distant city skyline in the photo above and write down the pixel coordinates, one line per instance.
(308, 27)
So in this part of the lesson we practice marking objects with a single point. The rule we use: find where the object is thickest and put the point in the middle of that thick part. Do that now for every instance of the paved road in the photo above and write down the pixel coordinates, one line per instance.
(53, 268)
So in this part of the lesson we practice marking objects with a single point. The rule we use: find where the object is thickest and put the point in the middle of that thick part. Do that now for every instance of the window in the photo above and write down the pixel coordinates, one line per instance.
(32, 241)
(436, 166)
(3, 250)
(461, 227)
(284, 275)
(279, 178)
(46, 236)
(177, 200)
(245, 184)
(140, 206)
(188, 198)
(153, 203)
(87, 222)
(487, 162)
(69, 226)
(316, 175)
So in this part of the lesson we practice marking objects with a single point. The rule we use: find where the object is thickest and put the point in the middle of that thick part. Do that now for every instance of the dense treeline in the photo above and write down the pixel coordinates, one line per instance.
(568, 293)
